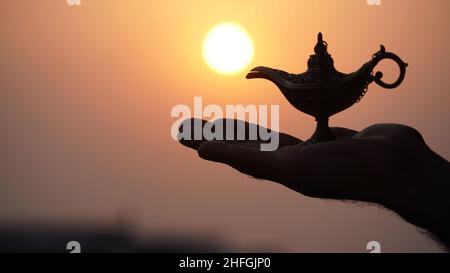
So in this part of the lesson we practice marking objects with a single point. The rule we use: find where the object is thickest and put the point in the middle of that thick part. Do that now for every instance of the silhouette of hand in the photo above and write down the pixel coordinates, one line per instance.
(387, 164)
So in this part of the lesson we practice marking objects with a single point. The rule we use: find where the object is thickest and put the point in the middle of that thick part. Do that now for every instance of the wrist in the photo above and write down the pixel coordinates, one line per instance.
(426, 203)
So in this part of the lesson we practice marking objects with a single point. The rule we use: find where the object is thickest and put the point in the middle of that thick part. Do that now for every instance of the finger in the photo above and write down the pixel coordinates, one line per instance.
(243, 130)
(248, 160)
(187, 132)
(192, 133)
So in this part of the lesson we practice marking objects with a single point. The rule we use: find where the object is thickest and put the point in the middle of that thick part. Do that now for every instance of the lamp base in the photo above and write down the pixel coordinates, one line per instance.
(322, 133)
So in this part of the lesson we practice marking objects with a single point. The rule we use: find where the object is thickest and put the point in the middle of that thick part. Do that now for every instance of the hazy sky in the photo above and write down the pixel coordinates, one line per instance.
(86, 94)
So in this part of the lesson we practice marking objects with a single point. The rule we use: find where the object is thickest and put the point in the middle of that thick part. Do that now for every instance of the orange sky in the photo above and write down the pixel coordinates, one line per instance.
(86, 94)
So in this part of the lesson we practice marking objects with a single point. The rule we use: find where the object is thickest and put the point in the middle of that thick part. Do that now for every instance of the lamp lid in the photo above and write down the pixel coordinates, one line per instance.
(321, 64)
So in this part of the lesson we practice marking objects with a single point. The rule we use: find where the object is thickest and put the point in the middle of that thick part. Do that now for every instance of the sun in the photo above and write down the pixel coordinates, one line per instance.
(228, 48)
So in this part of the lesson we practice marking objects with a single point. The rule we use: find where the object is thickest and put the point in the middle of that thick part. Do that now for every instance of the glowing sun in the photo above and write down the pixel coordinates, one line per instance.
(228, 48)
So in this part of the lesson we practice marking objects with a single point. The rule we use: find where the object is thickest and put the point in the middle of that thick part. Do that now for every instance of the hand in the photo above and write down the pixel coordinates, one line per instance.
(388, 164)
